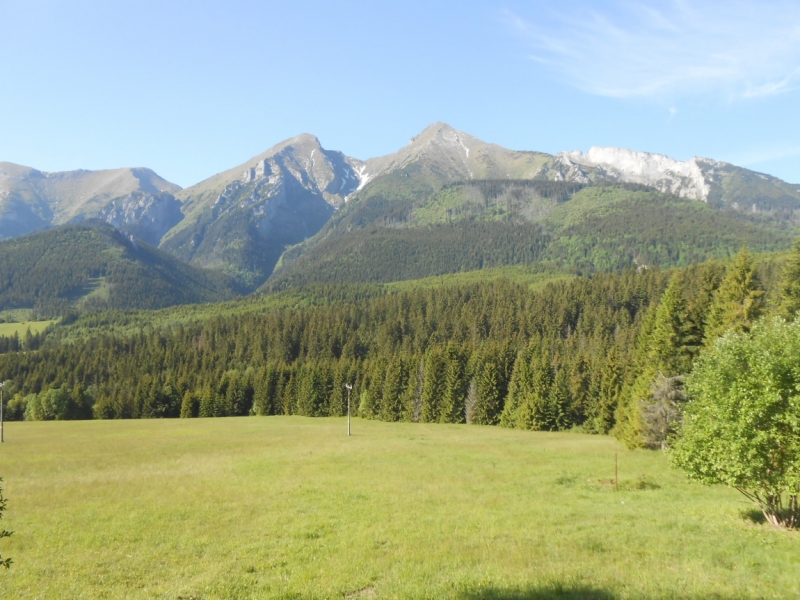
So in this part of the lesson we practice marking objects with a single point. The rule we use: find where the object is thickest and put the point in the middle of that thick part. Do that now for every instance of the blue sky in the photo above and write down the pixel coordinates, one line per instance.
(193, 88)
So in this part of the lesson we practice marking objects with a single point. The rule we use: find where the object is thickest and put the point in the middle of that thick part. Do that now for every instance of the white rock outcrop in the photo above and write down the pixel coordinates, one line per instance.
(682, 178)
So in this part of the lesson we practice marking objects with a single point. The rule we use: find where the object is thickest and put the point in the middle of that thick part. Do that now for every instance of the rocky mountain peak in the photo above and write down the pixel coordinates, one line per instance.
(31, 199)
(682, 178)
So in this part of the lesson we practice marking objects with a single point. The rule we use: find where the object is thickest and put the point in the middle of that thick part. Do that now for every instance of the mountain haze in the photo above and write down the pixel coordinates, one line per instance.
(295, 201)
(136, 201)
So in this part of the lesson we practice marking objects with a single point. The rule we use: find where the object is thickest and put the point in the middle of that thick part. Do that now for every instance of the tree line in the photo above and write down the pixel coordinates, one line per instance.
(605, 353)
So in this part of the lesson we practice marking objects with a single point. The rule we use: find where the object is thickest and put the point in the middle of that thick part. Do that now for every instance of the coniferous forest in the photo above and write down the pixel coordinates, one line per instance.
(605, 353)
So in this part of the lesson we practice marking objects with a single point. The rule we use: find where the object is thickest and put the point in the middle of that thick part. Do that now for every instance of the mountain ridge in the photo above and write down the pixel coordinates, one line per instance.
(297, 193)
(31, 199)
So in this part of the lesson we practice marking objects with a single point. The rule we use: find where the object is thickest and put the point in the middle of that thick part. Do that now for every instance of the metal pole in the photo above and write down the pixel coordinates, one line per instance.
(349, 387)
(616, 472)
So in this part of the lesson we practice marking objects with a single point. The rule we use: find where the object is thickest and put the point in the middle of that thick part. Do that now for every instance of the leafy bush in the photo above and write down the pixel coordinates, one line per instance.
(741, 426)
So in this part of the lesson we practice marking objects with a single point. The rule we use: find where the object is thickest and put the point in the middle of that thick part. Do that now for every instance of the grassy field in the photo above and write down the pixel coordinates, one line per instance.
(289, 507)
(9, 329)
(532, 277)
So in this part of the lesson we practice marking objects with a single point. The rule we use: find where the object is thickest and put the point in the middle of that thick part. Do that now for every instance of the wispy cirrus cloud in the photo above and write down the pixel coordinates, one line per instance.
(741, 48)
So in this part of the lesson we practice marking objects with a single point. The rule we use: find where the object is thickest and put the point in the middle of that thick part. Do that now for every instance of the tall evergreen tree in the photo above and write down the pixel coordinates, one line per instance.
(557, 414)
(535, 412)
(738, 302)
(433, 386)
(519, 386)
(671, 345)
(207, 402)
(790, 286)
(188, 406)
(489, 389)
(393, 385)
(310, 393)
(455, 388)
(608, 394)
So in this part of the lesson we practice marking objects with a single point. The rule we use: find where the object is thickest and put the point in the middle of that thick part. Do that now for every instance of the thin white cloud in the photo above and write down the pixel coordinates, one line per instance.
(740, 48)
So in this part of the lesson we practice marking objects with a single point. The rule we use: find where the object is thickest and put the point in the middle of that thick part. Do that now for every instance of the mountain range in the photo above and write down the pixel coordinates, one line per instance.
(299, 208)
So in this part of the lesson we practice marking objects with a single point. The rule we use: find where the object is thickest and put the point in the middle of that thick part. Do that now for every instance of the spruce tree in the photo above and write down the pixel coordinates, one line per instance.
(308, 392)
(518, 387)
(412, 397)
(738, 302)
(236, 395)
(433, 386)
(289, 396)
(579, 388)
(207, 402)
(489, 392)
(557, 417)
(264, 391)
(790, 285)
(671, 345)
(609, 391)
(455, 388)
(369, 401)
(391, 404)
(337, 405)
(188, 406)
(535, 412)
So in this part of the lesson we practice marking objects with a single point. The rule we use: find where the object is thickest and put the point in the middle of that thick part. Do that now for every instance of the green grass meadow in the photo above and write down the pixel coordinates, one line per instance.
(290, 507)
(9, 329)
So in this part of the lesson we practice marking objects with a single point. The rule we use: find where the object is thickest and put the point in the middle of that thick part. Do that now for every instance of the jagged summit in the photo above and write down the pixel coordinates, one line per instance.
(244, 218)
(330, 173)
(31, 199)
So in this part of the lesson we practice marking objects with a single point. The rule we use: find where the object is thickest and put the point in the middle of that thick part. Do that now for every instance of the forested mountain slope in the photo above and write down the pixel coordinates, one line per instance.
(241, 220)
(563, 226)
(661, 211)
(95, 266)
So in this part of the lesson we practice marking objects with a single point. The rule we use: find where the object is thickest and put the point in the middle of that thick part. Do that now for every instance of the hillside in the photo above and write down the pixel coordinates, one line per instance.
(279, 215)
(95, 266)
(136, 201)
(654, 210)
(241, 220)
(557, 225)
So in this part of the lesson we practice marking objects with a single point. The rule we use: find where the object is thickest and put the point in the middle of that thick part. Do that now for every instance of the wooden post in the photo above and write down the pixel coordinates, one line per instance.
(616, 472)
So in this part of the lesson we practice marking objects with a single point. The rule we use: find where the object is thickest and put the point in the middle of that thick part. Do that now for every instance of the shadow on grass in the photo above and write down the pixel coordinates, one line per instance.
(559, 592)
(555, 592)
(754, 516)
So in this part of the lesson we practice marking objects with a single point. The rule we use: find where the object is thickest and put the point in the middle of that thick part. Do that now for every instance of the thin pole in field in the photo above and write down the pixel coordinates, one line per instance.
(2, 436)
(349, 388)
(616, 472)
